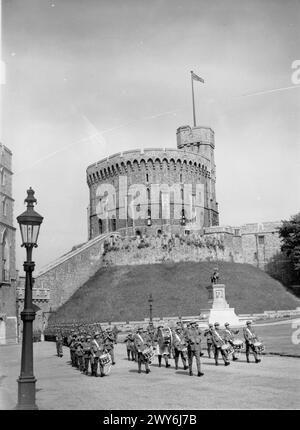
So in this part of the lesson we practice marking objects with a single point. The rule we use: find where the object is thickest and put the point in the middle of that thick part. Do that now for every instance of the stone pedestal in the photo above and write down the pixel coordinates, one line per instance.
(220, 311)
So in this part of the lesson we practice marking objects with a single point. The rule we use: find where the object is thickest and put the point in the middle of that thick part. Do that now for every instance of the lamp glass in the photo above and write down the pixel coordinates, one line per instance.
(29, 233)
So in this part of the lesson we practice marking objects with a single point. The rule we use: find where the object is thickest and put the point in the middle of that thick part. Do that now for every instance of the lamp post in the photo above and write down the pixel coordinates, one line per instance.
(29, 222)
(150, 300)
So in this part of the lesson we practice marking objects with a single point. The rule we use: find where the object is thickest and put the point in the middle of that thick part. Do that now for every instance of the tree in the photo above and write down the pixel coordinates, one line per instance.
(290, 236)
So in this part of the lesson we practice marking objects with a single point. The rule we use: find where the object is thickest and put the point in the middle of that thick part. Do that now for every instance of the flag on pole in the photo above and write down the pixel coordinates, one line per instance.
(197, 78)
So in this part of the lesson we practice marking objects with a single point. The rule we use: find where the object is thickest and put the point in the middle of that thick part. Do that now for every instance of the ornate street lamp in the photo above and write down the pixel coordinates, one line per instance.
(150, 301)
(29, 222)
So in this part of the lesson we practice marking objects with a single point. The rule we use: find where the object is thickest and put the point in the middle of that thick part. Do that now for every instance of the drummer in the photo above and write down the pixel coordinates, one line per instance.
(229, 337)
(250, 337)
(218, 342)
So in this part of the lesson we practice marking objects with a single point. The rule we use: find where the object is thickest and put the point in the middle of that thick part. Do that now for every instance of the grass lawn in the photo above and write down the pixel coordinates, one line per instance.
(121, 293)
(278, 338)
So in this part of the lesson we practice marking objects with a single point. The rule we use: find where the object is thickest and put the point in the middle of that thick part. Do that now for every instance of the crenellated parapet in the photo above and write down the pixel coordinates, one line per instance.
(149, 160)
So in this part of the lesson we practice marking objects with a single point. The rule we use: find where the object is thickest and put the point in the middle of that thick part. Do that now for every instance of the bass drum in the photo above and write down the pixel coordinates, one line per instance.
(106, 363)
(227, 348)
(238, 345)
(148, 355)
(259, 348)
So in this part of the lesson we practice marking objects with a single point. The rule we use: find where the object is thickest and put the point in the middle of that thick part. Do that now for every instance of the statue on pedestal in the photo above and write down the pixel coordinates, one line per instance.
(215, 276)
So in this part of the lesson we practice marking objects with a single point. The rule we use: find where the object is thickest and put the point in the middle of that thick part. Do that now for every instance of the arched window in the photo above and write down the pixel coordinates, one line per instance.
(3, 177)
(182, 217)
(100, 223)
(114, 224)
(147, 177)
(149, 221)
(5, 259)
(4, 207)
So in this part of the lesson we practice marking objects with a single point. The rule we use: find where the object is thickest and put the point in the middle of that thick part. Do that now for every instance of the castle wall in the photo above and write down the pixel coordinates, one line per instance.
(260, 241)
(257, 242)
(56, 283)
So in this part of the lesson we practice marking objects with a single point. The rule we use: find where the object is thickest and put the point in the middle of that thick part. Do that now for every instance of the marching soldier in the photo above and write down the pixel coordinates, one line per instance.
(193, 338)
(97, 349)
(218, 341)
(229, 337)
(109, 344)
(59, 344)
(130, 347)
(73, 346)
(79, 353)
(115, 332)
(69, 341)
(180, 347)
(87, 353)
(250, 337)
(163, 350)
(142, 341)
(151, 331)
(209, 340)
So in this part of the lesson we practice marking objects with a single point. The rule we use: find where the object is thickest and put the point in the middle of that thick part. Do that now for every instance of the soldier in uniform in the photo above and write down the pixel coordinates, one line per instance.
(209, 340)
(115, 332)
(250, 337)
(87, 353)
(218, 341)
(79, 353)
(193, 338)
(162, 350)
(59, 344)
(151, 331)
(73, 345)
(109, 344)
(142, 341)
(130, 346)
(229, 337)
(97, 349)
(180, 347)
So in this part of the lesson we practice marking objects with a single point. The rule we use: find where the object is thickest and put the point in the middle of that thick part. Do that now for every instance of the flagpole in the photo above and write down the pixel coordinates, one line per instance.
(194, 114)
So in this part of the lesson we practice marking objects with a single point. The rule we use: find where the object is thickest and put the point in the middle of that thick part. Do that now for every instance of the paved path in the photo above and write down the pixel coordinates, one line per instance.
(272, 384)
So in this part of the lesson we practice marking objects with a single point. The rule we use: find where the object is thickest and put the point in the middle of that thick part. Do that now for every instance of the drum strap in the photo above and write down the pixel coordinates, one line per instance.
(96, 343)
(250, 333)
(177, 337)
(219, 336)
(142, 340)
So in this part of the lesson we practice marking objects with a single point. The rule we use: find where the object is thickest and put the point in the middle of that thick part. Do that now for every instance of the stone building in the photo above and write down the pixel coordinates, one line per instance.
(257, 243)
(8, 320)
(184, 201)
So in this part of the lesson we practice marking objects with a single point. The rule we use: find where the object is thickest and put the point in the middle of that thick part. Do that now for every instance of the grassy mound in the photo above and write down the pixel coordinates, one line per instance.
(120, 293)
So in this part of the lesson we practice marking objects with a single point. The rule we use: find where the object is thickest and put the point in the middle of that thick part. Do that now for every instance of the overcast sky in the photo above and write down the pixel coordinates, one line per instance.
(119, 71)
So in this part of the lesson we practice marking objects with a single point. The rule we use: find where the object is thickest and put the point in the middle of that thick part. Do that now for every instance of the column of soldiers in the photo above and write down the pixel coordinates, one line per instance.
(87, 343)
(187, 344)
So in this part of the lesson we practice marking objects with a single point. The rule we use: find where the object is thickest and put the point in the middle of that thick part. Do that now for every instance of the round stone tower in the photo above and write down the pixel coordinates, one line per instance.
(156, 190)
